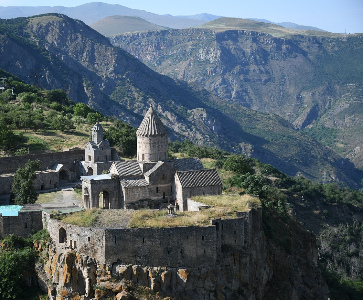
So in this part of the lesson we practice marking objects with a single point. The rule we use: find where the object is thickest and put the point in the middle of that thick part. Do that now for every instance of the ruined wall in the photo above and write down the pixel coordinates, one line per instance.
(24, 225)
(45, 180)
(86, 240)
(47, 160)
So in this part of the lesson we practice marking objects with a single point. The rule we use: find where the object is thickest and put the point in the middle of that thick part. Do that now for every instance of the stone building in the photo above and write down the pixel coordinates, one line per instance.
(150, 181)
(98, 155)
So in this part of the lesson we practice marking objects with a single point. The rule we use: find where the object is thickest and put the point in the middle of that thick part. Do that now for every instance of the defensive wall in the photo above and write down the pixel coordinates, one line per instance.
(10, 164)
(25, 224)
(191, 246)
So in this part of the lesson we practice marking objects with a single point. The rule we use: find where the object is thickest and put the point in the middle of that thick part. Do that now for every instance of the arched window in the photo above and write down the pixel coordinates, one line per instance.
(62, 235)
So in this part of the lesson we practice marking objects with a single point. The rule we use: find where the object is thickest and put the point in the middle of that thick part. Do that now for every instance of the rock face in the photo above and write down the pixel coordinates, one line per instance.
(264, 269)
(298, 77)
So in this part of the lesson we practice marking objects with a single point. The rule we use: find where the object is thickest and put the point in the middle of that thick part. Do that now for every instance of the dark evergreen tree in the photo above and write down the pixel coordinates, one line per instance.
(23, 186)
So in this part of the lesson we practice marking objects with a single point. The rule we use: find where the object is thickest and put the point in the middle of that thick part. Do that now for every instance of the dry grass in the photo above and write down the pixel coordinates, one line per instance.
(224, 206)
(47, 197)
(85, 218)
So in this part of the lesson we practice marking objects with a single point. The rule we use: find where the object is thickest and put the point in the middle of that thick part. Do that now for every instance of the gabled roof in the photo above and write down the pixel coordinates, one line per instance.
(151, 125)
(133, 182)
(197, 178)
(188, 164)
(154, 168)
(128, 168)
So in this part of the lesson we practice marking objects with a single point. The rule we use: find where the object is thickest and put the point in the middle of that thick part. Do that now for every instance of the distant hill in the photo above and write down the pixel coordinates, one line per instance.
(223, 24)
(95, 11)
(115, 25)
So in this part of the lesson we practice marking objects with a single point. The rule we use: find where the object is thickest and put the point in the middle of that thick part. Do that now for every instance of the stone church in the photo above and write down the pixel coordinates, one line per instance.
(152, 180)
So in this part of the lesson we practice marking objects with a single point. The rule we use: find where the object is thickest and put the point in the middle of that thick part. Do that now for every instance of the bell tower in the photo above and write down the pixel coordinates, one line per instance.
(152, 138)
(97, 133)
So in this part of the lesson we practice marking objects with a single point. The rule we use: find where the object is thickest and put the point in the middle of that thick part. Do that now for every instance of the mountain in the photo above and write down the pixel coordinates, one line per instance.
(313, 79)
(115, 25)
(56, 51)
(95, 11)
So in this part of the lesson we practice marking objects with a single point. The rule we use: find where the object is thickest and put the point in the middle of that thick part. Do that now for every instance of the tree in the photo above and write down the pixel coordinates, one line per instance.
(8, 140)
(57, 96)
(23, 186)
(92, 118)
(238, 164)
(82, 110)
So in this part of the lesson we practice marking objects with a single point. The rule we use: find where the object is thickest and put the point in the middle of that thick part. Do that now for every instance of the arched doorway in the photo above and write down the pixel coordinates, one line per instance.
(89, 171)
(62, 235)
(63, 175)
(104, 200)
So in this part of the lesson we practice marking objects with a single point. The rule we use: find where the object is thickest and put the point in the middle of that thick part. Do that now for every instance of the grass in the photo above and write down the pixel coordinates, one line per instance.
(46, 197)
(85, 218)
(224, 206)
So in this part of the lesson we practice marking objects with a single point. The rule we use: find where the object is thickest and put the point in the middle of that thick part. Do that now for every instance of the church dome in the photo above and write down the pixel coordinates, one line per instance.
(151, 125)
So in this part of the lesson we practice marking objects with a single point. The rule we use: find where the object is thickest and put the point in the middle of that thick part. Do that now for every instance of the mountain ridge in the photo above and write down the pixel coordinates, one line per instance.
(84, 63)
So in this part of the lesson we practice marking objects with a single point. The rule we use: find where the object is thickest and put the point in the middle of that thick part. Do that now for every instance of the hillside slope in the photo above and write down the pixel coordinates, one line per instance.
(65, 53)
(301, 77)
(115, 25)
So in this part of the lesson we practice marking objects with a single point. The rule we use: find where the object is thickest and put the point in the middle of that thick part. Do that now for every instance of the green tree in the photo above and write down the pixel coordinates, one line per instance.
(16, 259)
(8, 140)
(82, 110)
(57, 96)
(62, 123)
(23, 186)
(92, 118)
(122, 136)
(238, 164)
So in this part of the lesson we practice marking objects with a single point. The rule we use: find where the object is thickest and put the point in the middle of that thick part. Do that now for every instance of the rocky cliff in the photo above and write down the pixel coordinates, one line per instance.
(307, 78)
(265, 269)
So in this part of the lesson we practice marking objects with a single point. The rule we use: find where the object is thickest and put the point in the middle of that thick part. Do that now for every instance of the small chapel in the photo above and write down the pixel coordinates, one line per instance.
(152, 180)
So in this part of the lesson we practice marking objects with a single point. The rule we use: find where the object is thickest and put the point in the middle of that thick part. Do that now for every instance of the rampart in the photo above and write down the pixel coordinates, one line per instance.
(9, 165)
(191, 246)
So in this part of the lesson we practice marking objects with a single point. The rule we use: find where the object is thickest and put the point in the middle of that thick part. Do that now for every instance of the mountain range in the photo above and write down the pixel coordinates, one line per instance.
(95, 11)
(61, 52)
(313, 79)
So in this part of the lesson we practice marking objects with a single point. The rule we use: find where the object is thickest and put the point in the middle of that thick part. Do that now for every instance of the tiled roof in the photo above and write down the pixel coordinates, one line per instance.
(154, 168)
(133, 182)
(187, 164)
(196, 178)
(128, 168)
(151, 125)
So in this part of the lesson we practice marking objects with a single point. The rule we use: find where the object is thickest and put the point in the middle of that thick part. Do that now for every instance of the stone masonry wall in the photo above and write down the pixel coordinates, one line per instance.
(178, 246)
(25, 224)
(47, 160)
(86, 240)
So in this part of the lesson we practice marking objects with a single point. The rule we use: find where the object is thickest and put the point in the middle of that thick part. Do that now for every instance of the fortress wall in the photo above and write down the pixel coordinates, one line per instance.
(45, 180)
(6, 183)
(172, 247)
(231, 233)
(24, 225)
(47, 160)
(86, 240)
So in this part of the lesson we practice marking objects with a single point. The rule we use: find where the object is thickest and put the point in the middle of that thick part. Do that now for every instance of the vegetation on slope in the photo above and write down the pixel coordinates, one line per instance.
(33, 120)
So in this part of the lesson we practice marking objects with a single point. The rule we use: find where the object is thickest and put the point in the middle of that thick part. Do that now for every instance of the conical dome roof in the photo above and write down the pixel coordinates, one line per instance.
(151, 125)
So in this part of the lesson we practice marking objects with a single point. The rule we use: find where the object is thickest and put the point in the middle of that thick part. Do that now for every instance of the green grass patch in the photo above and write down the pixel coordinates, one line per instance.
(84, 218)
(224, 206)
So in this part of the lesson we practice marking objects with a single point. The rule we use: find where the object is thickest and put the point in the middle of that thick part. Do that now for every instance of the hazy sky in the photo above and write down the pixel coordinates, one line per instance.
(331, 15)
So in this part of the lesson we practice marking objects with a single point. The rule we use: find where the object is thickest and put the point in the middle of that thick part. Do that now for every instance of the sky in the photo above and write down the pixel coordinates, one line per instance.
(331, 15)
